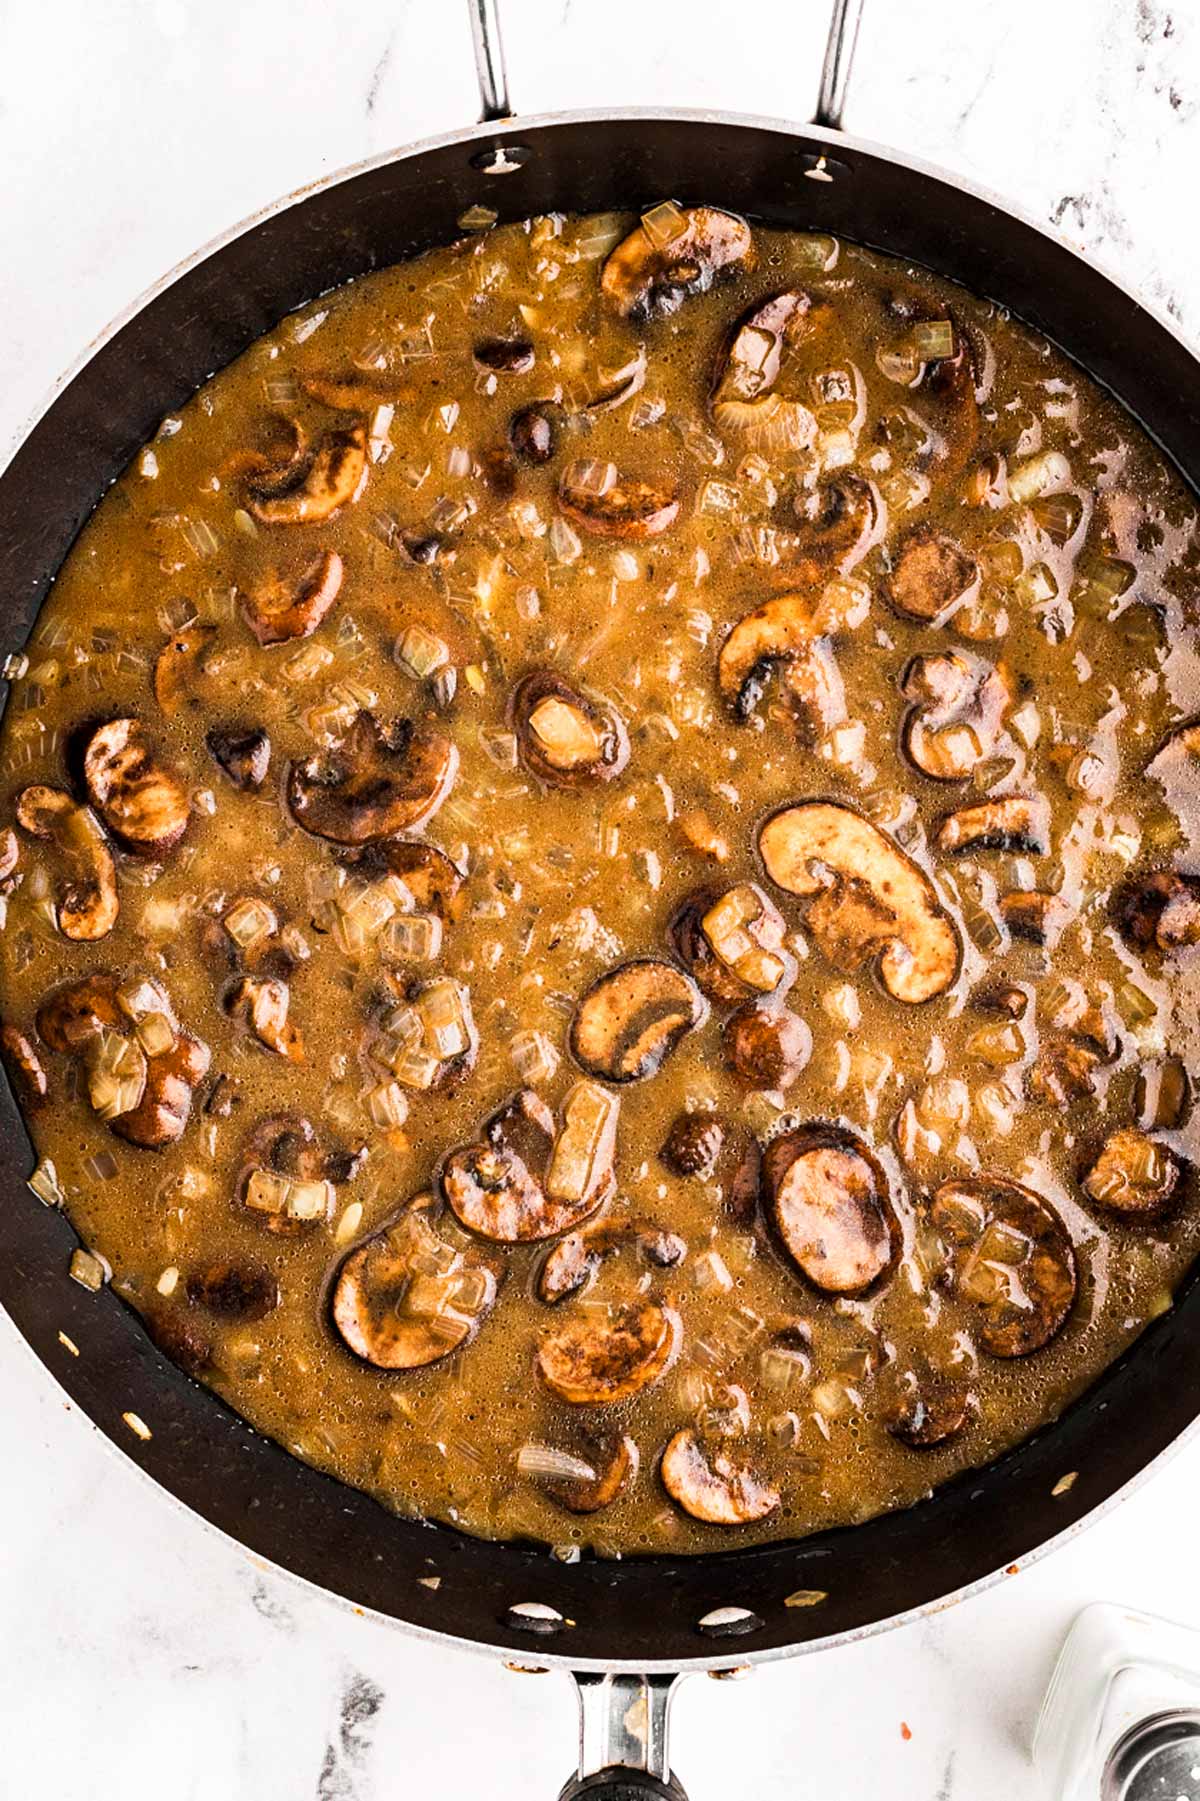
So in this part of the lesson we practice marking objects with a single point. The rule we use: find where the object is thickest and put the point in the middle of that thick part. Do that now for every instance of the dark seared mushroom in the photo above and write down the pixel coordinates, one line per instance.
(496, 1186)
(711, 1486)
(182, 1338)
(828, 1200)
(88, 903)
(652, 271)
(787, 629)
(743, 398)
(1162, 1096)
(141, 801)
(245, 757)
(1036, 915)
(237, 1289)
(278, 609)
(837, 523)
(378, 782)
(767, 1046)
(1161, 911)
(1011, 1258)
(565, 738)
(931, 577)
(1133, 1175)
(1016, 822)
(284, 1180)
(625, 509)
(313, 488)
(180, 673)
(262, 1003)
(142, 1084)
(957, 717)
(24, 1067)
(574, 1260)
(76, 1012)
(505, 356)
(165, 1107)
(694, 1144)
(595, 1362)
(731, 942)
(1064, 1069)
(429, 875)
(532, 433)
(394, 1314)
(632, 1018)
(929, 1407)
(613, 1458)
(869, 899)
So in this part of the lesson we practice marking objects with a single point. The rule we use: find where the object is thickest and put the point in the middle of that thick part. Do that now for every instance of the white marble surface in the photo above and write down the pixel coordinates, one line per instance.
(139, 1656)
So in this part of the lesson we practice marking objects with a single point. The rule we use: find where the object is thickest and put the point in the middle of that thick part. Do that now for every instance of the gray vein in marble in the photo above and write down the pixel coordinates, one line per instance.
(346, 1754)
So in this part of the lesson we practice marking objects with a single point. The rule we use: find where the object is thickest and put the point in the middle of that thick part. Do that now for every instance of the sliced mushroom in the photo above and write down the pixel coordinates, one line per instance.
(165, 1107)
(870, 899)
(838, 522)
(378, 782)
(141, 801)
(88, 904)
(1016, 822)
(278, 609)
(1011, 1258)
(712, 1486)
(314, 488)
(694, 1144)
(24, 1067)
(180, 676)
(1036, 914)
(574, 1260)
(245, 757)
(1064, 1070)
(632, 1018)
(263, 1003)
(828, 1200)
(626, 509)
(814, 693)
(929, 1407)
(731, 942)
(744, 400)
(181, 1338)
(505, 356)
(767, 1046)
(396, 1315)
(497, 1186)
(1133, 1175)
(532, 434)
(932, 577)
(429, 875)
(284, 1180)
(1178, 756)
(613, 1458)
(1161, 911)
(957, 717)
(357, 391)
(594, 1362)
(143, 1085)
(235, 1290)
(651, 273)
(76, 1012)
(786, 629)
(566, 738)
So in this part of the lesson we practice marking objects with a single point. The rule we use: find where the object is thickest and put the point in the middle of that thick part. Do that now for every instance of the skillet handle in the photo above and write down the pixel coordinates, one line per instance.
(616, 1784)
(623, 1753)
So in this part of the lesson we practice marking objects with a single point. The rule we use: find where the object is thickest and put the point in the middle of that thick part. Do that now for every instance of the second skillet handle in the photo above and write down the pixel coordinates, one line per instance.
(623, 1754)
(831, 99)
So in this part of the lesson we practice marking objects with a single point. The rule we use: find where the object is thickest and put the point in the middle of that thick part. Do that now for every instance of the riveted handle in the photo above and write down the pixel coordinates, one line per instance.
(616, 1784)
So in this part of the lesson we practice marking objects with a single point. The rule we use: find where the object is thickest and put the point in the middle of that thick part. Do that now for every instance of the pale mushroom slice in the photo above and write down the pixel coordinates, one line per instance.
(731, 942)
(278, 609)
(1133, 1175)
(785, 629)
(674, 253)
(564, 737)
(88, 904)
(573, 1262)
(317, 486)
(356, 391)
(1161, 911)
(594, 1362)
(1011, 1260)
(263, 1002)
(624, 508)
(632, 1018)
(403, 1299)
(868, 899)
(141, 800)
(932, 577)
(612, 1460)
(1178, 757)
(712, 1486)
(172, 1078)
(380, 781)
(1015, 822)
(828, 1200)
(744, 400)
(956, 720)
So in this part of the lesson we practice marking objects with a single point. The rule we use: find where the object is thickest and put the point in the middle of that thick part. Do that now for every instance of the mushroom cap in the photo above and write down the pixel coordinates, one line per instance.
(245, 757)
(278, 610)
(632, 1018)
(1014, 822)
(497, 1188)
(142, 802)
(1161, 911)
(767, 1045)
(784, 629)
(566, 738)
(711, 1486)
(1134, 1176)
(179, 675)
(1012, 1258)
(930, 1407)
(88, 904)
(314, 487)
(594, 1363)
(870, 898)
(957, 716)
(648, 280)
(383, 1316)
(931, 577)
(615, 1458)
(571, 1264)
(628, 509)
(376, 784)
(829, 1203)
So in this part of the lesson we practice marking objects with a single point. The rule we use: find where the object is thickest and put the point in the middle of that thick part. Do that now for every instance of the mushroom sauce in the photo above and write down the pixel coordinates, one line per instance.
(598, 901)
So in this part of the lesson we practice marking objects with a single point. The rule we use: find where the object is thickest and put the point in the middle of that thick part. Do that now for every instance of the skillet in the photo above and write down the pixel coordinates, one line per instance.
(627, 1629)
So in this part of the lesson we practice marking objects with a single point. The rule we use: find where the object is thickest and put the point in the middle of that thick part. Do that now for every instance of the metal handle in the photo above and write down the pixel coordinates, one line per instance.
(621, 1785)
(623, 1750)
(831, 97)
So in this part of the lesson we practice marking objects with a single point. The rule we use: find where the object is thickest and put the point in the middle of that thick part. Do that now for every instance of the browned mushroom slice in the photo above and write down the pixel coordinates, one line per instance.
(532, 433)
(234, 1290)
(565, 738)
(245, 757)
(711, 1486)
(1016, 822)
(594, 1362)
(142, 1066)
(929, 1408)
(743, 399)
(632, 1018)
(264, 1002)
(870, 900)
(88, 903)
(1178, 756)
(314, 489)
(403, 1299)
(625, 509)
(957, 718)
(1011, 1258)
(932, 577)
(179, 670)
(1133, 1175)
(694, 1144)
(828, 1200)
(1065, 1069)
(76, 1012)
(732, 942)
(679, 252)
(1036, 915)
(785, 629)
(1161, 911)
(181, 1338)
(165, 1107)
(141, 801)
(284, 1180)
(378, 782)
(573, 1262)
(612, 1458)
(24, 1066)
(767, 1046)
(278, 610)
(839, 522)
(357, 391)
(505, 356)
(497, 1187)
(429, 875)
